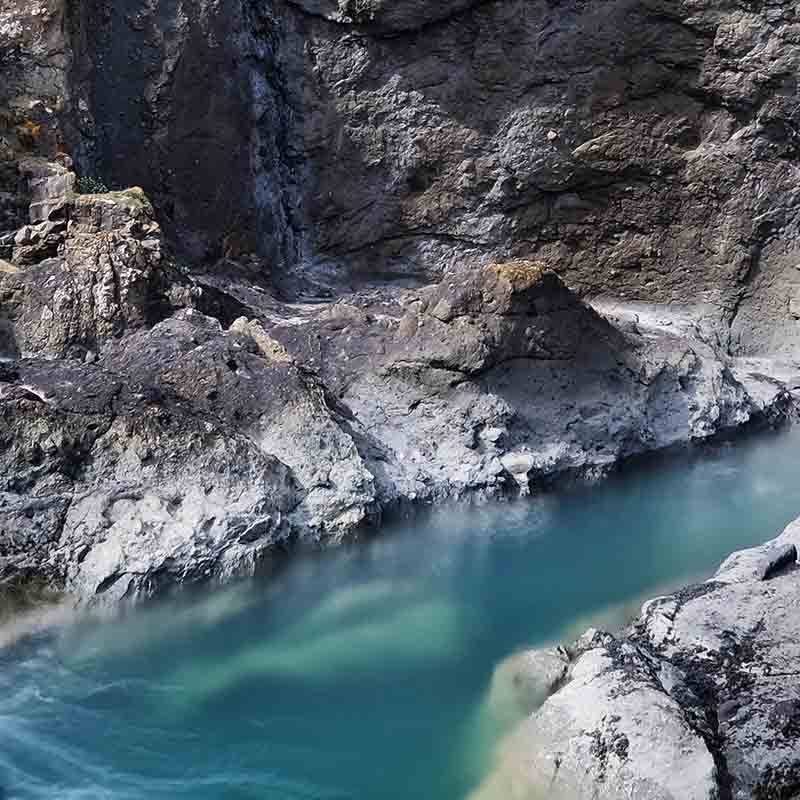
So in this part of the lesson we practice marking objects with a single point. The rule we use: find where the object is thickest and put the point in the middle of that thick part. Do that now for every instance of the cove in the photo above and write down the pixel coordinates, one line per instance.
(362, 673)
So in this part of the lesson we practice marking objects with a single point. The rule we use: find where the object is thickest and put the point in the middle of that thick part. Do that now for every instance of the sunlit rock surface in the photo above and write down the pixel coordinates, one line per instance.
(698, 699)
(181, 450)
(383, 254)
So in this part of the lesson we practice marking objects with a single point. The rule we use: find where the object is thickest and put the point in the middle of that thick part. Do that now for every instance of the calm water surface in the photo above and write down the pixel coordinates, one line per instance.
(362, 674)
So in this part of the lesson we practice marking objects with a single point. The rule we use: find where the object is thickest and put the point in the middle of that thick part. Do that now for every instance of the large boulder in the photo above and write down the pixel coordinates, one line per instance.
(699, 699)
(85, 276)
(184, 453)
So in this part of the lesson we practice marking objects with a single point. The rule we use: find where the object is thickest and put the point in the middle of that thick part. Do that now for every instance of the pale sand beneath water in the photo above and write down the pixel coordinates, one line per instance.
(352, 631)
(495, 738)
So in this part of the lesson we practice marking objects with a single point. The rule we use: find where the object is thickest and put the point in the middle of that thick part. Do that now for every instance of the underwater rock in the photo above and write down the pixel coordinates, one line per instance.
(525, 680)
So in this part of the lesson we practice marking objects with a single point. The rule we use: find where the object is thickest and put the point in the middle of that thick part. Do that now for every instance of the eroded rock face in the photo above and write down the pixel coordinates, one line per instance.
(697, 700)
(156, 464)
(471, 153)
(645, 149)
(108, 492)
(488, 381)
(331, 413)
(185, 100)
(33, 58)
(87, 273)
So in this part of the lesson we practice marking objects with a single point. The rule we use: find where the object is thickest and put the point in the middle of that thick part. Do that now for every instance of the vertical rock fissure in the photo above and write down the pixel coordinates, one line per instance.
(185, 100)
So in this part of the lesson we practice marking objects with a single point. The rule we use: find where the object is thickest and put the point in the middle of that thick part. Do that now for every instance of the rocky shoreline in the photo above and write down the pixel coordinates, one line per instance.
(157, 428)
(699, 698)
(343, 287)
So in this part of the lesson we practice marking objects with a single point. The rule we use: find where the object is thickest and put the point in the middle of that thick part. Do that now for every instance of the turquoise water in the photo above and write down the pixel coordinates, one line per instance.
(362, 673)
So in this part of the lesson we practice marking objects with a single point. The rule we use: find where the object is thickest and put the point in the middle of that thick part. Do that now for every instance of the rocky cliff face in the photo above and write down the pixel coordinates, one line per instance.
(644, 149)
(342, 285)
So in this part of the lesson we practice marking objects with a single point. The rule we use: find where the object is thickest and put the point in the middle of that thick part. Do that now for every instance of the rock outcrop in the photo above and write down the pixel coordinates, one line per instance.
(136, 453)
(698, 699)
(86, 274)
(352, 282)
(387, 253)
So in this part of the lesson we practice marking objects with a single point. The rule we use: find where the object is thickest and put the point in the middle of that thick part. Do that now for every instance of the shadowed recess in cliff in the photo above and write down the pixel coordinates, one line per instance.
(371, 671)
(182, 99)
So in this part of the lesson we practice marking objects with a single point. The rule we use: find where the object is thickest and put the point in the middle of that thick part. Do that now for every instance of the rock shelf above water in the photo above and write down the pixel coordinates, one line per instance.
(159, 427)
(698, 699)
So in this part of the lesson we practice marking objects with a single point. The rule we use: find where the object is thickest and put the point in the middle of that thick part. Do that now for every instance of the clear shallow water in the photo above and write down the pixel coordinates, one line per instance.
(362, 674)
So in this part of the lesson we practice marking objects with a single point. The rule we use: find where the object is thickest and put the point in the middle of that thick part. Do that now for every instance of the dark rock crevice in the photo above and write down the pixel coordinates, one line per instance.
(174, 98)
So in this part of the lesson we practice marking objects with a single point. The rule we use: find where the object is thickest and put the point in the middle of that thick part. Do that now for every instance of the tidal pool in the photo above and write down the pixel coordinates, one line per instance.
(363, 673)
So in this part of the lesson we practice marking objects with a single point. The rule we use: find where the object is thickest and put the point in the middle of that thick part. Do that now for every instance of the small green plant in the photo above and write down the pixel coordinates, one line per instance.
(87, 184)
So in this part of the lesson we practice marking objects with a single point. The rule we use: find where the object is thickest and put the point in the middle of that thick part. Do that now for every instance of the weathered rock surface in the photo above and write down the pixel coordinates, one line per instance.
(506, 376)
(84, 276)
(173, 405)
(646, 148)
(700, 698)
(319, 416)
(430, 170)
(106, 488)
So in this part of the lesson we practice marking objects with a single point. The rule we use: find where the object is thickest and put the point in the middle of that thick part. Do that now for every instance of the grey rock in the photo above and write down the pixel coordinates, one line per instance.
(473, 388)
(183, 453)
(699, 698)
(644, 151)
(35, 60)
(104, 487)
(50, 185)
(522, 682)
(757, 564)
(484, 383)
(439, 173)
(85, 278)
(630, 740)
(431, 169)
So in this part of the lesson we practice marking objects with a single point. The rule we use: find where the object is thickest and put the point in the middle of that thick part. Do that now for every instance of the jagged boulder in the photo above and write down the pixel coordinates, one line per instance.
(108, 493)
(698, 699)
(184, 453)
(84, 278)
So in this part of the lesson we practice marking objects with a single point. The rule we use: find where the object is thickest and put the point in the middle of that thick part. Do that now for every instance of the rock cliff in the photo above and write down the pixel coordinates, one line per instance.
(646, 148)
(340, 284)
